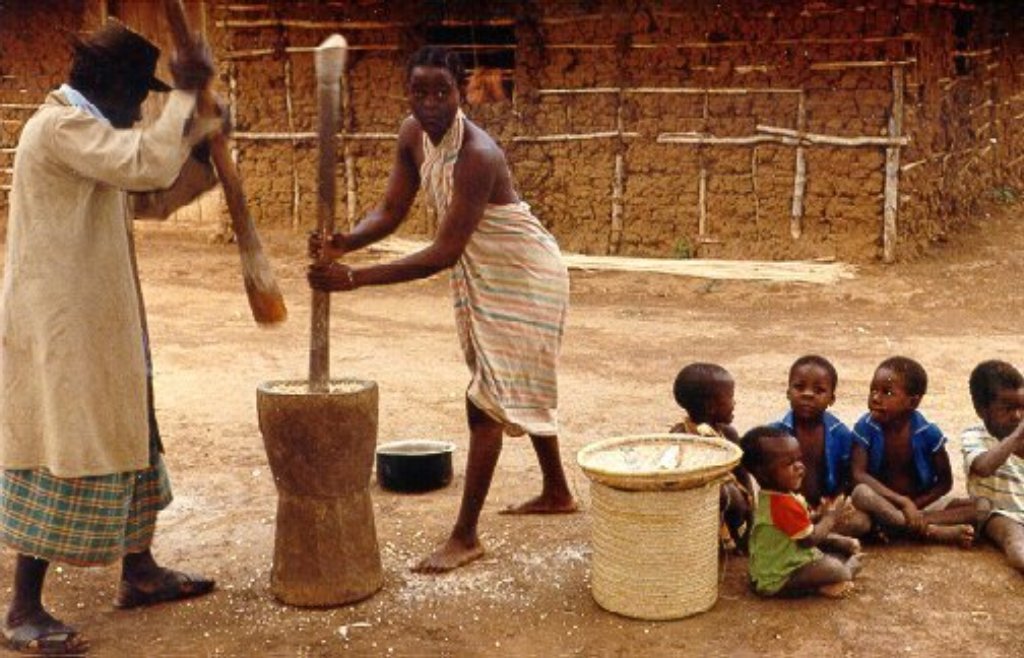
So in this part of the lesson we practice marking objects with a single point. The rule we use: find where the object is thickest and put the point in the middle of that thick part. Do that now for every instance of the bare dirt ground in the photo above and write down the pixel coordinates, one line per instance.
(627, 336)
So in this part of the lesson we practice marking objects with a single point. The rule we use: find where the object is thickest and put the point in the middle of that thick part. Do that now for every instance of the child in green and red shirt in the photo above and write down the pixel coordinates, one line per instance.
(784, 553)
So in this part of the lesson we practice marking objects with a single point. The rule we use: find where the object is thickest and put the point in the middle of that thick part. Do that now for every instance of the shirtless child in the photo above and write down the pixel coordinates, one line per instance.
(706, 391)
(899, 461)
(994, 456)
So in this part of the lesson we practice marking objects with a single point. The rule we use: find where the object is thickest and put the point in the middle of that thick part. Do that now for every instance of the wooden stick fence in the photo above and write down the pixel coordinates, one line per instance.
(290, 115)
(891, 142)
(892, 169)
(800, 174)
(306, 136)
(618, 180)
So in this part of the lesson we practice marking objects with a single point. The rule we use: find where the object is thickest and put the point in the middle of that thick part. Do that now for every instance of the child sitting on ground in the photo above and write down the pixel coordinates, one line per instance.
(784, 553)
(825, 441)
(899, 462)
(706, 392)
(994, 456)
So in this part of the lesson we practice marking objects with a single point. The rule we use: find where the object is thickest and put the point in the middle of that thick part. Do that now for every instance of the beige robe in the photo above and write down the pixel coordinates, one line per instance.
(72, 372)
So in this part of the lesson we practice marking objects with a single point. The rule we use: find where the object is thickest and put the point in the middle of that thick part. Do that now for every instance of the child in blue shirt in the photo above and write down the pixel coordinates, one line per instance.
(825, 441)
(899, 461)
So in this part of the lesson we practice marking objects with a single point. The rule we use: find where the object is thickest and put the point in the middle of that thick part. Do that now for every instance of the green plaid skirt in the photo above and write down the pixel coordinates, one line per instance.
(86, 521)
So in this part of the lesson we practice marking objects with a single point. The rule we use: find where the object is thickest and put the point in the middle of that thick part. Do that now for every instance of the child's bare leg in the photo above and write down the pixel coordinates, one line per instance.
(463, 545)
(1009, 536)
(736, 512)
(853, 564)
(962, 534)
(852, 522)
(555, 497)
(824, 575)
(877, 507)
(841, 544)
(958, 511)
(866, 499)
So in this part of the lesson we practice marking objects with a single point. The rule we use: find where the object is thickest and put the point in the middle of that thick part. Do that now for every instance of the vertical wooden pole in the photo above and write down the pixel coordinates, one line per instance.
(290, 116)
(702, 192)
(753, 187)
(330, 61)
(796, 219)
(702, 188)
(617, 181)
(224, 230)
(892, 169)
(351, 208)
(203, 22)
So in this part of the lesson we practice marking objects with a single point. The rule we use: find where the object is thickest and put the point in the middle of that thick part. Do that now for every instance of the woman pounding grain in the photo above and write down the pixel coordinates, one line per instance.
(510, 287)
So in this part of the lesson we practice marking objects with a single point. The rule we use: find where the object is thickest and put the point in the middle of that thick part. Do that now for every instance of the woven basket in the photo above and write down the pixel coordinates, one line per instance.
(655, 522)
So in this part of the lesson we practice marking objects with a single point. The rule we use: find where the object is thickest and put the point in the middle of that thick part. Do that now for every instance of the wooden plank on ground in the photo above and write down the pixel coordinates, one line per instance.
(782, 271)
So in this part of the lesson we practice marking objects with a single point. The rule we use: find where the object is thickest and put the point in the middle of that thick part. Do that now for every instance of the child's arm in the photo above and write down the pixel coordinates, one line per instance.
(823, 528)
(940, 462)
(859, 472)
(989, 461)
(741, 474)
(843, 477)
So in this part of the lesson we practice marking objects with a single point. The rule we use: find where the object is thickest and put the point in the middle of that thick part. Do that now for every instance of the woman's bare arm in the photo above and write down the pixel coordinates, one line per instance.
(473, 180)
(403, 184)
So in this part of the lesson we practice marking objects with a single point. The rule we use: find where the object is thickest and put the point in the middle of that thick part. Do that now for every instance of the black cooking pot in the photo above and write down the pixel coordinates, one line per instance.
(414, 465)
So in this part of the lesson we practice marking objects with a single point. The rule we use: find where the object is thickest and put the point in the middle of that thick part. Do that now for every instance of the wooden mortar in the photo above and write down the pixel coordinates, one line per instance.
(320, 446)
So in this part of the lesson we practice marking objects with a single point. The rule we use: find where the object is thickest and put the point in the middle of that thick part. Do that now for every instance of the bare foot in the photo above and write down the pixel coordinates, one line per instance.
(450, 555)
(962, 535)
(853, 564)
(847, 545)
(542, 505)
(838, 590)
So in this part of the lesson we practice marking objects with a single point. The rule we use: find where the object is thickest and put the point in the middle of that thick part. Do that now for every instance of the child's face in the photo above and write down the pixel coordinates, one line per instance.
(784, 468)
(1004, 414)
(722, 403)
(810, 391)
(888, 399)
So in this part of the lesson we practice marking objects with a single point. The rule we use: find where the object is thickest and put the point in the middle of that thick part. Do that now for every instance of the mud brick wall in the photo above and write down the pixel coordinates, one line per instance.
(34, 58)
(643, 127)
(591, 164)
(967, 118)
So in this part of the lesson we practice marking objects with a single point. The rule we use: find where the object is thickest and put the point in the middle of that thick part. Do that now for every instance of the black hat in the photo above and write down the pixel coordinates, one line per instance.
(118, 47)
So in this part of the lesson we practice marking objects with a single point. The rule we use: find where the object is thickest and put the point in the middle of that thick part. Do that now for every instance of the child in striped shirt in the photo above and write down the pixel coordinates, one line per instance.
(994, 455)
(706, 392)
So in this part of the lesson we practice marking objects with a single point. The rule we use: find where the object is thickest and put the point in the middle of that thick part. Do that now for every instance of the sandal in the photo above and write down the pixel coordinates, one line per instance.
(172, 586)
(45, 636)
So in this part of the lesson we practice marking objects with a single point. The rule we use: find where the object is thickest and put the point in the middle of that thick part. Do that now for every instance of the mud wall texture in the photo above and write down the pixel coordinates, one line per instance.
(34, 57)
(853, 129)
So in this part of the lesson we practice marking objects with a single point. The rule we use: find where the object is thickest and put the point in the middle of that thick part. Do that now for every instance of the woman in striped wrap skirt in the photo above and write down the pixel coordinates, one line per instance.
(508, 281)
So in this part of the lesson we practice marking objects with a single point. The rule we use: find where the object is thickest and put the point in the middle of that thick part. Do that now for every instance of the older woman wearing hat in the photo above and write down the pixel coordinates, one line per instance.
(81, 473)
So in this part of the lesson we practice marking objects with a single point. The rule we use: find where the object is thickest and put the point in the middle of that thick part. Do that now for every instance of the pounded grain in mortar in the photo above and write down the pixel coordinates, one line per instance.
(303, 387)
